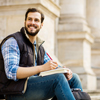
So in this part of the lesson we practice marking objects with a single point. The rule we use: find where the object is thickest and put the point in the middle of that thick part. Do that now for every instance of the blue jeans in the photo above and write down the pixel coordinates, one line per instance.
(43, 88)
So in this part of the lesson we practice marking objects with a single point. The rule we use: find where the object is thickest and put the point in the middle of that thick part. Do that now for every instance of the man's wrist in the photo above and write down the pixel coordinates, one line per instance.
(40, 68)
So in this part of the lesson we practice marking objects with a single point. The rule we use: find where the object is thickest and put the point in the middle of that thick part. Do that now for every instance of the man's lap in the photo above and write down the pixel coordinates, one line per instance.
(39, 87)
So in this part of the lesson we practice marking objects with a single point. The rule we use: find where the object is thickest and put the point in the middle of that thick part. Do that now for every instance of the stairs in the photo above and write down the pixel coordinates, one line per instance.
(95, 95)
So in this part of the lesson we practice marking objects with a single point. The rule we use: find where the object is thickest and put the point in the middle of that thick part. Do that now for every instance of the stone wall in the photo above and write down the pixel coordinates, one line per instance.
(93, 19)
(74, 41)
(12, 18)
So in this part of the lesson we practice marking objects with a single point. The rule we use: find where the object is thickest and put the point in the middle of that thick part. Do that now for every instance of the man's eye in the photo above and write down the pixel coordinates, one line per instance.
(37, 20)
(30, 19)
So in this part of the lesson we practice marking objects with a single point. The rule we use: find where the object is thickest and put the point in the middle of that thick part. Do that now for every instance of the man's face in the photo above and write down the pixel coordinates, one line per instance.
(33, 23)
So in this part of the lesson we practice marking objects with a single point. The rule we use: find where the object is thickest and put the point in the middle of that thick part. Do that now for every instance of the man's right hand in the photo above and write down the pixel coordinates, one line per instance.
(50, 65)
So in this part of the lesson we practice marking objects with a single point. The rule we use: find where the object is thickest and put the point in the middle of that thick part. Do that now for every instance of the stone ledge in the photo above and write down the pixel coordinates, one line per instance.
(47, 4)
(75, 36)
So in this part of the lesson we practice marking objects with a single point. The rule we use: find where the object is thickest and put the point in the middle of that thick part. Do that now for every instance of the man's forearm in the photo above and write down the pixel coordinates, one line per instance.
(24, 72)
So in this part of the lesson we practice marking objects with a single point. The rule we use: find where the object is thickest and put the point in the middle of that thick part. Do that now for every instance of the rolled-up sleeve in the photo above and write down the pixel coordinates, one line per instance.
(11, 56)
(47, 58)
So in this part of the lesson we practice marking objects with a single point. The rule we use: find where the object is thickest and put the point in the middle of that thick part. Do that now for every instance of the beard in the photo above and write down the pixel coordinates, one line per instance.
(32, 33)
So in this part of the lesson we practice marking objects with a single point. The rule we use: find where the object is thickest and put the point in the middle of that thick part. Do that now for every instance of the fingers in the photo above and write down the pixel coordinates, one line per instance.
(69, 71)
(69, 74)
(53, 64)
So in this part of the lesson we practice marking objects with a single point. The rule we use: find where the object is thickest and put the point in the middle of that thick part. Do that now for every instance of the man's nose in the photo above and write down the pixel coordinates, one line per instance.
(33, 22)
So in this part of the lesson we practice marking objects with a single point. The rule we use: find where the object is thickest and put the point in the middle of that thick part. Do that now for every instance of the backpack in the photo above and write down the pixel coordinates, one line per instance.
(78, 94)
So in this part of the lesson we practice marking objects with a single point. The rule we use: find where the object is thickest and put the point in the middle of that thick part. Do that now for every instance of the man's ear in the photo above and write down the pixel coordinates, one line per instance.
(41, 25)
(24, 23)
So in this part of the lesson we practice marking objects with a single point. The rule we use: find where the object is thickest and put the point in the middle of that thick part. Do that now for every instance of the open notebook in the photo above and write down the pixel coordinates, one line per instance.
(54, 71)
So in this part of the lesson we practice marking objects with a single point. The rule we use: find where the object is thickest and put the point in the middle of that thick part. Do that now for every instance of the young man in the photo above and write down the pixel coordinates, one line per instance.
(24, 58)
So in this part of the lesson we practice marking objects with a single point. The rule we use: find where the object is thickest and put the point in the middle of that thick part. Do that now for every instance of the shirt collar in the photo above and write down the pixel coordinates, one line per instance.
(34, 43)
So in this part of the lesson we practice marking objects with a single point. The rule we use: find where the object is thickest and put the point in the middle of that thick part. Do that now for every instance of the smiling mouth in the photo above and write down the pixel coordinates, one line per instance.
(32, 26)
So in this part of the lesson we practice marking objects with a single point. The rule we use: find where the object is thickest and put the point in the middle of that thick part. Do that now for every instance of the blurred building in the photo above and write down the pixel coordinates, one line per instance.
(71, 31)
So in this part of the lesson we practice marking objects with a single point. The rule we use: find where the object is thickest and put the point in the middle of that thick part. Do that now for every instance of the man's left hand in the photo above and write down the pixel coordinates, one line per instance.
(68, 74)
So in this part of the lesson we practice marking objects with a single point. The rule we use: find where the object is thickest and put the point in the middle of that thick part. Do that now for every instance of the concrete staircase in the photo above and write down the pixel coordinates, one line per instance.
(95, 95)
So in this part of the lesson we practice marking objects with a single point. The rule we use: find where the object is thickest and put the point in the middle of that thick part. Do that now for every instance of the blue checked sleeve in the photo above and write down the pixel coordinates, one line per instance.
(11, 56)
(48, 58)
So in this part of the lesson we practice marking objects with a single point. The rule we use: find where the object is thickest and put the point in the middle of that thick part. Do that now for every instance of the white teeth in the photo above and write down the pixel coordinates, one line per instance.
(32, 27)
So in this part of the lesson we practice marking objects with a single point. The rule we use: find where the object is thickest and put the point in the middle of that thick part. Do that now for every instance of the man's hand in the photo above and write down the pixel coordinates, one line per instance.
(49, 65)
(68, 74)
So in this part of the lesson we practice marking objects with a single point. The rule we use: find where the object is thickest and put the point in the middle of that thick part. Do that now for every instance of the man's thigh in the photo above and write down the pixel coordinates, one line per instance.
(38, 88)
(41, 87)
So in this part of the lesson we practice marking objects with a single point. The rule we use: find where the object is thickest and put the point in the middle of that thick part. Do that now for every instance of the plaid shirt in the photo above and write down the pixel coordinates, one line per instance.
(11, 56)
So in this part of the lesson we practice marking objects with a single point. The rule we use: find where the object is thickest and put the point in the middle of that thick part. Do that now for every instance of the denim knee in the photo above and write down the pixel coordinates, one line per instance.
(60, 76)
(75, 81)
(76, 76)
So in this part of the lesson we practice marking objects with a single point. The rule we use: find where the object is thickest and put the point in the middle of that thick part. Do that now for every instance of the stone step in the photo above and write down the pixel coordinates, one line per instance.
(95, 95)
